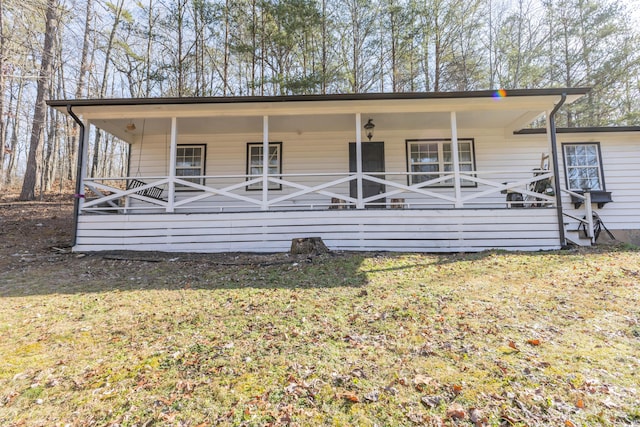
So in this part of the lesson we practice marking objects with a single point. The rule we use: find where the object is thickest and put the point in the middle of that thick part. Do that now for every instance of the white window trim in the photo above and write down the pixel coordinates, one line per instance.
(202, 167)
(598, 166)
(258, 186)
(441, 163)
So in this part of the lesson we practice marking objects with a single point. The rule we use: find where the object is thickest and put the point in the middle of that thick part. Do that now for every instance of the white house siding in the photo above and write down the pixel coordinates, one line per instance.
(328, 152)
(621, 167)
(467, 230)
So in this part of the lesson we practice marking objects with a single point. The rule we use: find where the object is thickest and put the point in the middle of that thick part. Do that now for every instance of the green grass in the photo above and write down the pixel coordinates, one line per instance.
(358, 339)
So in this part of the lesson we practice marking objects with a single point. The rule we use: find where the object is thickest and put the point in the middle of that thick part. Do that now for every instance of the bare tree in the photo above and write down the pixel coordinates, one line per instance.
(80, 87)
(39, 114)
(3, 144)
(118, 12)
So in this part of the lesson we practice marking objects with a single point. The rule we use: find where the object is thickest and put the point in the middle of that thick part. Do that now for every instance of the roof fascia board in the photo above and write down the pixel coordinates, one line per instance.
(306, 98)
(593, 129)
(378, 106)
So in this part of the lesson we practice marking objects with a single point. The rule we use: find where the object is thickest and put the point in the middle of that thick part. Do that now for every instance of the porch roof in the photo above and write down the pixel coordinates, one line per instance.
(590, 129)
(512, 110)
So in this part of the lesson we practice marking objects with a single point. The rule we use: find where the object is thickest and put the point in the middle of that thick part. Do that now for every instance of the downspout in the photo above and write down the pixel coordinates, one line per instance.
(556, 169)
(78, 194)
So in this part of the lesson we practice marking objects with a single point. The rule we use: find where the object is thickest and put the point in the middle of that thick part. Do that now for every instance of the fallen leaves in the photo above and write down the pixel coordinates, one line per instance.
(477, 417)
(456, 389)
(431, 401)
(508, 350)
(9, 398)
(455, 411)
(374, 396)
(422, 382)
(349, 397)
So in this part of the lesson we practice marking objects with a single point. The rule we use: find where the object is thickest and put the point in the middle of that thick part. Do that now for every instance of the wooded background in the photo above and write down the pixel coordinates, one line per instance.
(59, 49)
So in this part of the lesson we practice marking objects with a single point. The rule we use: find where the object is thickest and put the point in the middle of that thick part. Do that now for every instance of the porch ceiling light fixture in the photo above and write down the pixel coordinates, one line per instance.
(369, 128)
(131, 126)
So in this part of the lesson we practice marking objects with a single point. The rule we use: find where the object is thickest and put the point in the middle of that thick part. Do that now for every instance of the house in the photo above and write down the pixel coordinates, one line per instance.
(427, 172)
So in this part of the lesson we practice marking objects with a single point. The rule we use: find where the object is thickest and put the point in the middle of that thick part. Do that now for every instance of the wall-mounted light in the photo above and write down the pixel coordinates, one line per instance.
(131, 126)
(369, 128)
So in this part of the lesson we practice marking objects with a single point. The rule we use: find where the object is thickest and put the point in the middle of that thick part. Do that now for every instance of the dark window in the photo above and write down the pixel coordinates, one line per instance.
(428, 158)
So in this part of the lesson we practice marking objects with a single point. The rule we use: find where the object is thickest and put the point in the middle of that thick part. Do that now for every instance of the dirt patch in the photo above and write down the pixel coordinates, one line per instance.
(36, 239)
(31, 231)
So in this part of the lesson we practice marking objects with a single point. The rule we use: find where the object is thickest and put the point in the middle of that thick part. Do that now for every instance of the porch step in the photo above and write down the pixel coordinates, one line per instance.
(577, 238)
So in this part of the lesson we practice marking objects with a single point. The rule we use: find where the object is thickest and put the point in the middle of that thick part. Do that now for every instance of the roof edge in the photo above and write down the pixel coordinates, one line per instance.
(587, 129)
(331, 97)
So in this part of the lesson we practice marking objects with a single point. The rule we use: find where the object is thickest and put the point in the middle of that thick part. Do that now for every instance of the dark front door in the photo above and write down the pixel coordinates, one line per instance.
(372, 161)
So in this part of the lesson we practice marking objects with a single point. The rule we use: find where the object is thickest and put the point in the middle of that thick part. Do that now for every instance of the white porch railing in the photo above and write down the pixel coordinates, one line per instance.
(587, 221)
(316, 191)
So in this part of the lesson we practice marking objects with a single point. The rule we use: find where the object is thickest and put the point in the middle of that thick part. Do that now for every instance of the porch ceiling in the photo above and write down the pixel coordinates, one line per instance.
(511, 120)
(210, 117)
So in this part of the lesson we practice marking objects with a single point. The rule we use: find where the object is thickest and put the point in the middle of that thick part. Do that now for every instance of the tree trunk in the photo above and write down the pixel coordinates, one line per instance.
(29, 183)
(13, 144)
(394, 41)
(307, 246)
(254, 46)
(84, 68)
(103, 87)
(356, 44)
(50, 155)
(180, 65)
(263, 50)
(324, 47)
(2, 91)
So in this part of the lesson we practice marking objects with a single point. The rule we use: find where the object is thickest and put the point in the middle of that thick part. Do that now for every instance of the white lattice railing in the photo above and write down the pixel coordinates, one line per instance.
(314, 191)
(587, 222)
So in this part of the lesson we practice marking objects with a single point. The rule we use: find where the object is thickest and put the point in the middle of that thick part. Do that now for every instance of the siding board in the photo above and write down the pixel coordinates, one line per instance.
(401, 230)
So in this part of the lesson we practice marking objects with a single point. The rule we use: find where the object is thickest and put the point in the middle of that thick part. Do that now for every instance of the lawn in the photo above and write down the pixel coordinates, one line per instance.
(494, 338)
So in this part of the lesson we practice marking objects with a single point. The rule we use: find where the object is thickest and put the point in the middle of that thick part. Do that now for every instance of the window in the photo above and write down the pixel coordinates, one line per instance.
(431, 156)
(190, 161)
(583, 166)
(254, 163)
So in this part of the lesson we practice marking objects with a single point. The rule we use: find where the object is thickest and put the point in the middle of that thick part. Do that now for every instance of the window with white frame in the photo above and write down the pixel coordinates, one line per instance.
(427, 159)
(255, 163)
(583, 166)
(190, 162)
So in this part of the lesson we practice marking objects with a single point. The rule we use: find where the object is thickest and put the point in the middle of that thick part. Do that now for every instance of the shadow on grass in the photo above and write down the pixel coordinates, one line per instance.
(134, 271)
(454, 258)
(130, 271)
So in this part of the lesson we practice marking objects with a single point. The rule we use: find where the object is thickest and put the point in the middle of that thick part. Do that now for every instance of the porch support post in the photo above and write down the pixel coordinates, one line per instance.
(84, 154)
(359, 203)
(588, 210)
(173, 151)
(551, 133)
(265, 163)
(455, 159)
(81, 169)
